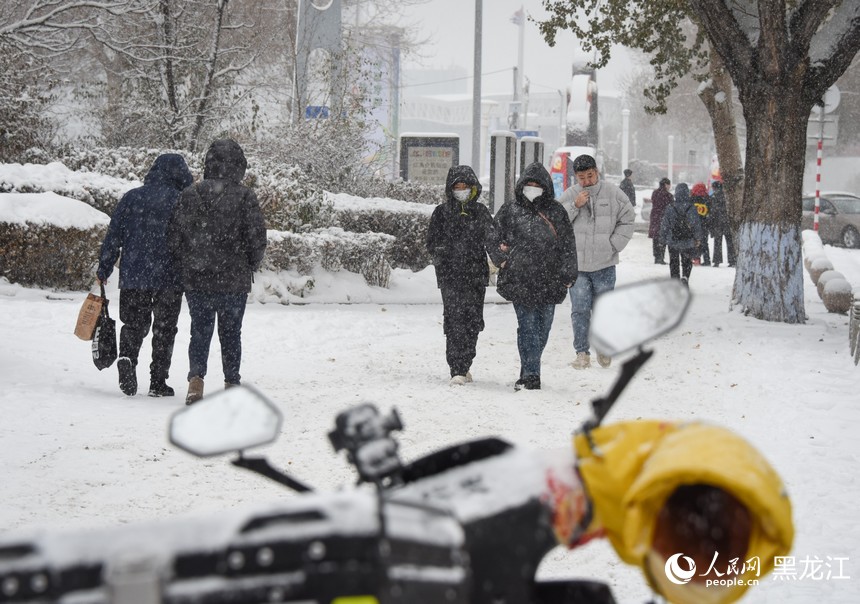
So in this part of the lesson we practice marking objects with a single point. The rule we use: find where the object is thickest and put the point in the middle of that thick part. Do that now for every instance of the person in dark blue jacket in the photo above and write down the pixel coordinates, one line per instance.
(681, 231)
(149, 287)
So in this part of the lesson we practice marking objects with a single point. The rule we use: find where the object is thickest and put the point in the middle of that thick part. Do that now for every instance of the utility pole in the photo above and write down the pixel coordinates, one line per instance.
(476, 90)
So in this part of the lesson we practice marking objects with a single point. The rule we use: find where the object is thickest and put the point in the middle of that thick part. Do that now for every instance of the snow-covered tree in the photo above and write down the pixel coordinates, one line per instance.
(782, 56)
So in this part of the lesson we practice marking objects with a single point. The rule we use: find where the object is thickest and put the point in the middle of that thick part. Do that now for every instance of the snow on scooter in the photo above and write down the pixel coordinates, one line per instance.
(467, 524)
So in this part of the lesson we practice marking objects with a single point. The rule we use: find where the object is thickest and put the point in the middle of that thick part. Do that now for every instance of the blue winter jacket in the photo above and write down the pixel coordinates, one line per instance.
(138, 228)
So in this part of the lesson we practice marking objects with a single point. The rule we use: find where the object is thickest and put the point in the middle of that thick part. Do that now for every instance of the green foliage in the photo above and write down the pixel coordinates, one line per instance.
(660, 28)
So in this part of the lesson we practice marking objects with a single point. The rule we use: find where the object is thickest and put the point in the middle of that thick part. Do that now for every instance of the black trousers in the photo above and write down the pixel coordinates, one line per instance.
(659, 249)
(463, 320)
(140, 308)
(680, 264)
(718, 248)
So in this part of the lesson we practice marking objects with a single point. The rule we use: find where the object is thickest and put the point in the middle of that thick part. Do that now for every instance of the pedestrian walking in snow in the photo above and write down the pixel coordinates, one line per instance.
(661, 198)
(699, 195)
(150, 292)
(218, 238)
(602, 220)
(537, 265)
(718, 224)
(627, 187)
(460, 235)
(681, 231)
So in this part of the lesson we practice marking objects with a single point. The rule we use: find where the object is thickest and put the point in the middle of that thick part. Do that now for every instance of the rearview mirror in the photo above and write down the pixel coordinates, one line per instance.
(631, 315)
(231, 420)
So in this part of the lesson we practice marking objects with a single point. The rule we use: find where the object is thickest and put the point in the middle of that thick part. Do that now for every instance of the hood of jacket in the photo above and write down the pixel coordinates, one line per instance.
(463, 174)
(537, 173)
(682, 195)
(171, 170)
(225, 160)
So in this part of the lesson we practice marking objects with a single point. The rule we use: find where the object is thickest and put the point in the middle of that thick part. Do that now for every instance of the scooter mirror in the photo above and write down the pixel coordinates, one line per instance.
(231, 420)
(631, 315)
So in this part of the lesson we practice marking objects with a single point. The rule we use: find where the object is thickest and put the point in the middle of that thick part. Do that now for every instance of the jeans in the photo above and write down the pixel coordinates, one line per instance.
(138, 308)
(533, 326)
(229, 308)
(588, 285)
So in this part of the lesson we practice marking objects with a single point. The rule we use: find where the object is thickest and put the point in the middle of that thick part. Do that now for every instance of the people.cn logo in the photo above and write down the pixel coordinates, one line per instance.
(675, 573)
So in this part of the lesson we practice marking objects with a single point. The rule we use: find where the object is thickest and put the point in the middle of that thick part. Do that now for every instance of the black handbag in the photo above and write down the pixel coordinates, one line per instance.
(104, 338)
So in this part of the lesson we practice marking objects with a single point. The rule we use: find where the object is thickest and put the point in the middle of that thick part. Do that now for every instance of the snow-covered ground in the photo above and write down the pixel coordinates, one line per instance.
(77, 453)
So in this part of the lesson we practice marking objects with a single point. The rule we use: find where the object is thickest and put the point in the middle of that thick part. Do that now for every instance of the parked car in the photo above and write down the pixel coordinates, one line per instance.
(838, 218)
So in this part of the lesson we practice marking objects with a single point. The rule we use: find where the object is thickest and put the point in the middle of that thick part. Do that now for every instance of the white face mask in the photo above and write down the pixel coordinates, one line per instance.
(462, 194)
(532, 193)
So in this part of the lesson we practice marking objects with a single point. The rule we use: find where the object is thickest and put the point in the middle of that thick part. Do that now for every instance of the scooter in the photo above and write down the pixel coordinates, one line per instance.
(467, 524)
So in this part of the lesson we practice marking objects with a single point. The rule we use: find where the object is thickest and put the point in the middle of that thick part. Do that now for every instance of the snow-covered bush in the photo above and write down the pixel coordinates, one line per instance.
(837, 296)
(824, 278)
(408, 222)
(333, 249)
(95, 189)
(49, 241)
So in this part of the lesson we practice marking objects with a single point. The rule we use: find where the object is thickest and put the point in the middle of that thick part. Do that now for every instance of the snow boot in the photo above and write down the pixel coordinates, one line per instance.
(582, 361)
(160, 389)
(195, 390)
(127, 376)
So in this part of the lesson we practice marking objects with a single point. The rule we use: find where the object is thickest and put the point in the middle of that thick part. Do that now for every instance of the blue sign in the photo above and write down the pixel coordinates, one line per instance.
(316, 112)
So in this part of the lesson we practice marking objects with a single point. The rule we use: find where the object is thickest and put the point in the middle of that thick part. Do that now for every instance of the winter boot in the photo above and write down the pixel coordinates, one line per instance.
(228, 385)
(603, 360)
(195, 390)
(582, 361)
(158, 388)
(127, 376)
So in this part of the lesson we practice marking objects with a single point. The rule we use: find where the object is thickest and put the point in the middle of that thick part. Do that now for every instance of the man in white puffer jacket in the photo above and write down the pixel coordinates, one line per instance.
(602, 219)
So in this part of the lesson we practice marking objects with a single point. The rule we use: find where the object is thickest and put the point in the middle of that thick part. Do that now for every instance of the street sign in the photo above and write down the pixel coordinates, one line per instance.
(831, 130)
(831, 101)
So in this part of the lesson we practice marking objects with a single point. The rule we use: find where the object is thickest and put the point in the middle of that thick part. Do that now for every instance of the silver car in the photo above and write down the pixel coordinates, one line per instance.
(838, 218)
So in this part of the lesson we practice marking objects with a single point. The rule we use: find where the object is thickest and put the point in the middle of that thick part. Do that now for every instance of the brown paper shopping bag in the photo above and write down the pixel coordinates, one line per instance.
(89, 316)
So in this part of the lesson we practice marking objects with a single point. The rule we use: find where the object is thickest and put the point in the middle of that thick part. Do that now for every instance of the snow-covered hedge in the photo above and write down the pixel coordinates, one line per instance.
(97, 190)
(333, 249)
(406, 221)
(49, 241)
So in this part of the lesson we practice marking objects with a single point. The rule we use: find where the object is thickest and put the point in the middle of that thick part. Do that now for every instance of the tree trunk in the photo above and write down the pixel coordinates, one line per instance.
(769, 278)
(718, 100)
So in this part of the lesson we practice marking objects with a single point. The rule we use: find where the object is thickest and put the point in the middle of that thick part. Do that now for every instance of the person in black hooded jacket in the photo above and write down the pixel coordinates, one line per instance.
(217, 237)
(150, 292)
(460, 235)
(538, 264)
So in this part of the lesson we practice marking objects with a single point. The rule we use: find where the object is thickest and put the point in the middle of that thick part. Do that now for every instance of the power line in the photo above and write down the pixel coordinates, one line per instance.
(455, 79)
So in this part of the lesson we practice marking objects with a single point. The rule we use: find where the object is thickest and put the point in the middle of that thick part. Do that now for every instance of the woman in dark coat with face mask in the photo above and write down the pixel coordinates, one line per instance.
(538, 267)
(460, 234)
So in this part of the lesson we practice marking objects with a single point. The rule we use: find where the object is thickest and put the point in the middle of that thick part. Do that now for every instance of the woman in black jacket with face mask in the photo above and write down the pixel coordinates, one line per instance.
(460, 235)
(538, 266)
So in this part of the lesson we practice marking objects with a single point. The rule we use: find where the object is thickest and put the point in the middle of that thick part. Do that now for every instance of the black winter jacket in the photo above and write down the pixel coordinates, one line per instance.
(138, 228)
(461, 234)
(541, 259)
(217, 234)
(719, 215)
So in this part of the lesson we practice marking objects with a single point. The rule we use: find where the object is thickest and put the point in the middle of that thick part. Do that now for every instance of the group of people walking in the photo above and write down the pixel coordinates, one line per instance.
(205, 241)
(682, 222)
(172, 237)
(545, 250)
